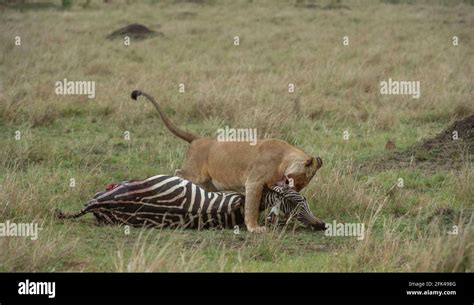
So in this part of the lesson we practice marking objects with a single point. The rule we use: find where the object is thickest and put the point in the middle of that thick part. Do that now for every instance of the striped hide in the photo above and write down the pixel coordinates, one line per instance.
(169, 201)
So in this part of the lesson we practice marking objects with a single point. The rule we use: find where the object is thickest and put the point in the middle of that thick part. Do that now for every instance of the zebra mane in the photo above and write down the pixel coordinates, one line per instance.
(280, 190)
(284, 191)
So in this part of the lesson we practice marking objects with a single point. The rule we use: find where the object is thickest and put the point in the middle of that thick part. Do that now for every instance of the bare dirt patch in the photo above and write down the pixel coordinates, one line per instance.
(134, 31)
(443, 151)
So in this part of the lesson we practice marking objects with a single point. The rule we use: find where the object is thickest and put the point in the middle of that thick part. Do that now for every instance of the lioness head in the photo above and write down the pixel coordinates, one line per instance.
(303, 172)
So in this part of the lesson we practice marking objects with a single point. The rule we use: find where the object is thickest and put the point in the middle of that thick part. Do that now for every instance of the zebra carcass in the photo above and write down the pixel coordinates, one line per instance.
(169, 201)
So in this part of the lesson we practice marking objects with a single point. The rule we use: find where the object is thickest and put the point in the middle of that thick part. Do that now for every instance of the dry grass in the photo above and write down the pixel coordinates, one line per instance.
(245, 86)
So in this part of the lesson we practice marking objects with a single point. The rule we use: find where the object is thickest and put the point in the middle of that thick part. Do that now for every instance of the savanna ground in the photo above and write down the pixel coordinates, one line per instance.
(245, 86)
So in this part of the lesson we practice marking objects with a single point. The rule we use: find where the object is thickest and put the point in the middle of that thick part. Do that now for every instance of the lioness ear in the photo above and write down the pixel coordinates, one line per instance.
(320, 162)
(310, 162)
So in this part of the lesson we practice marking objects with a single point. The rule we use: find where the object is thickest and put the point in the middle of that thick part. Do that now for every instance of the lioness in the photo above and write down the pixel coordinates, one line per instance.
(240, 167)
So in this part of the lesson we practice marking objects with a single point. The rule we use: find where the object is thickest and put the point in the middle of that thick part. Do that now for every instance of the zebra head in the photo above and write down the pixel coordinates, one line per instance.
(286, 201)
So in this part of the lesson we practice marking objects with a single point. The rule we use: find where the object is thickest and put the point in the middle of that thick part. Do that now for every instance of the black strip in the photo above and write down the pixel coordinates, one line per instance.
(314, 285)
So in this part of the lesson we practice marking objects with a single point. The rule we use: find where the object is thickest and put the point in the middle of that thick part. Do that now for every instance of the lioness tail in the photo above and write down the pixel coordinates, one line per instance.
(187, 136)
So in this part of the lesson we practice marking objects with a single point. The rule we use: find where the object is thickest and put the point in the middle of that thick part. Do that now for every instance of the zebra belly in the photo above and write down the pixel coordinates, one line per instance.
(168, 219)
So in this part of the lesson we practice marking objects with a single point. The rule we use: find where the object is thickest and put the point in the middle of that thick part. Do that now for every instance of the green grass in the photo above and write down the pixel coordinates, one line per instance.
(282, 42)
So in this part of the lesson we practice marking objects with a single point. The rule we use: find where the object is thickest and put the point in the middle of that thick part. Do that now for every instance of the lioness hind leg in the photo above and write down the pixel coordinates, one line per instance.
(203, 181)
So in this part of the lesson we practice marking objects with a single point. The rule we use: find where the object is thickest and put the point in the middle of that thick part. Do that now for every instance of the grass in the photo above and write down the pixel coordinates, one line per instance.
(281, 42)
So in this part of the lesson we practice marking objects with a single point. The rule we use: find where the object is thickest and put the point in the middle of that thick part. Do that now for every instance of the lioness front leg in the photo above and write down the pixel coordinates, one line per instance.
(253, 194)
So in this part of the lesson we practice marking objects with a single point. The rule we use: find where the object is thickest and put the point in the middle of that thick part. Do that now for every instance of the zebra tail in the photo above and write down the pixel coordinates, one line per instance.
(59, 214)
